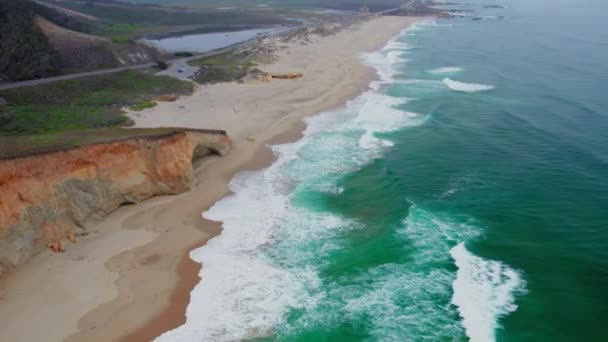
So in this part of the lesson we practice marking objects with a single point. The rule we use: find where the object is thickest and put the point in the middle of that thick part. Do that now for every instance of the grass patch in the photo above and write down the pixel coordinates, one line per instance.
(183, 54)
(114, 29)
(122, 40)
(89, 102)
(220, 73)
(12, 146)
(143, 105)
(224, 67)
(40, 118)
(220, 59)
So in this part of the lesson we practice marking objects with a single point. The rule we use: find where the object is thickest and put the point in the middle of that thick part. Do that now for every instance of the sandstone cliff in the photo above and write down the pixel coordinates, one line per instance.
(49, 196)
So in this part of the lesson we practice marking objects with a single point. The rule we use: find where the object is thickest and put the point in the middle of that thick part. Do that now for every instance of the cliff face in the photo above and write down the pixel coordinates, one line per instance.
(45, 197)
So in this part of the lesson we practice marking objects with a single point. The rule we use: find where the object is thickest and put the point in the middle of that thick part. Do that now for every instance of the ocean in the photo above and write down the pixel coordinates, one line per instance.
(462, 197)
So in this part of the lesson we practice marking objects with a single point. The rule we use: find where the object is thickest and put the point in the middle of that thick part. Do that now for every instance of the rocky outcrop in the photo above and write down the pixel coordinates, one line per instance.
(288, 76)
(47, 197)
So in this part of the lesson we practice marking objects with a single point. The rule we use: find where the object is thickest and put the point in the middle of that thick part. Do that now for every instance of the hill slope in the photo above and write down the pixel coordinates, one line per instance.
(83, 52)
(25, 52)
(38, 41)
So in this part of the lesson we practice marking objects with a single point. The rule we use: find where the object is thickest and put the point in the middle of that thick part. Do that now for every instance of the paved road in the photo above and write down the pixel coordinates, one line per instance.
(70, 76)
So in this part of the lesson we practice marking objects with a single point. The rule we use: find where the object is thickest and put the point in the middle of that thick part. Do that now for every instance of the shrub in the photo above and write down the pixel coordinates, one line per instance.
(183, 54)
(161, 65)
(143, 105)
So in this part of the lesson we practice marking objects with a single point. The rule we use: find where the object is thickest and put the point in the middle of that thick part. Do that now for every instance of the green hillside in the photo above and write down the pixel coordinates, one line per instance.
(25, 52)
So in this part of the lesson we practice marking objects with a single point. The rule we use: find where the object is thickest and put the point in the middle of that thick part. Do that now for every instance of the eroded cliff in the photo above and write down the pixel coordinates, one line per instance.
(47, 197)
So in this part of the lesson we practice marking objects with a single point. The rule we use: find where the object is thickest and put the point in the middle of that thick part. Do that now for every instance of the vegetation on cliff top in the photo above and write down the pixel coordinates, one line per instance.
(59, 141)
(90, 102)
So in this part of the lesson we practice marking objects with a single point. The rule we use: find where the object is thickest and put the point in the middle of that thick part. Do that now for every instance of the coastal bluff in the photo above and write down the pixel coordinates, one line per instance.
(47, 198)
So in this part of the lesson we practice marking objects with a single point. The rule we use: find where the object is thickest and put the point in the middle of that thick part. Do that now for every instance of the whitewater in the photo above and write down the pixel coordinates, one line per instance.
(266, 274)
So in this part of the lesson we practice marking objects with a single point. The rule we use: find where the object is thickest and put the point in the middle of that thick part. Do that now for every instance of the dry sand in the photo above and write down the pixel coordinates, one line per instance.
(131, 279)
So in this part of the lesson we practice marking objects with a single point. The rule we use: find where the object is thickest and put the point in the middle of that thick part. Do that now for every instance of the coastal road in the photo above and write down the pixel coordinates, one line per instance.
(173, 70)
(71, 76)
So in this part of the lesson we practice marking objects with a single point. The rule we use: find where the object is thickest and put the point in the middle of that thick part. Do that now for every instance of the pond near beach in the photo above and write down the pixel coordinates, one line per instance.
(203, 42)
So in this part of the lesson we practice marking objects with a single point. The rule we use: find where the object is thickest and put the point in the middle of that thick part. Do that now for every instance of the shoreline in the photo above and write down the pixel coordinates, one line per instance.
(138, 295)
(174, 314)
(166, 320)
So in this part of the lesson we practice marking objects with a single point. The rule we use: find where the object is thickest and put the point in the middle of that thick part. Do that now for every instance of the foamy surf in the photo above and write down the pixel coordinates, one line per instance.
(242, 293)
(466, 87)
(484, 291)
(379, 113)
(446, 70)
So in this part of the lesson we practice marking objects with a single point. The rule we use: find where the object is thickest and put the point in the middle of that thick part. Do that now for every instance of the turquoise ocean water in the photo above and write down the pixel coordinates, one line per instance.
(463, 197)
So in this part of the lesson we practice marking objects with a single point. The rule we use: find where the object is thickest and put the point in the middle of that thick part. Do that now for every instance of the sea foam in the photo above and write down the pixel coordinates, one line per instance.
(379, 113)
(466, 87)
(484, 291)
(446, 70)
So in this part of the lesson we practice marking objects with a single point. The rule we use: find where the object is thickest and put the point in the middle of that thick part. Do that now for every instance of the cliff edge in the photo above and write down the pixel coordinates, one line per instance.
(47, 197)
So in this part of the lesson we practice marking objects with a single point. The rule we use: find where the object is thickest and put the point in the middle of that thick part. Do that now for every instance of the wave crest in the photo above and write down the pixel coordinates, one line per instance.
(484, 291)
(446, 70)
(466, 87)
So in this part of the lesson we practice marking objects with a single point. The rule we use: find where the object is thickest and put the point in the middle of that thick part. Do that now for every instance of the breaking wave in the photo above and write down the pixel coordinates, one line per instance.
(446, 70)
(484, 291)
(466, 87)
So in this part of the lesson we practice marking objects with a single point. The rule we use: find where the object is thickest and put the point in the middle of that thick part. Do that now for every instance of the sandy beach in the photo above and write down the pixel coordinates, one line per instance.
(130, 279)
